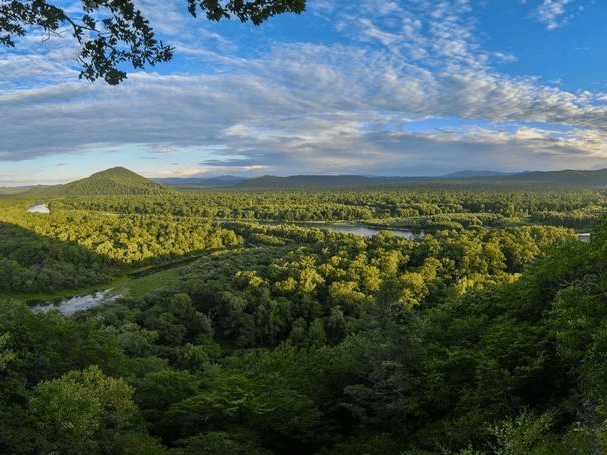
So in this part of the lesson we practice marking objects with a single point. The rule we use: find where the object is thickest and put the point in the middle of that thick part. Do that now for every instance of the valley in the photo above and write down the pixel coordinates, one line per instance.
(459, 317)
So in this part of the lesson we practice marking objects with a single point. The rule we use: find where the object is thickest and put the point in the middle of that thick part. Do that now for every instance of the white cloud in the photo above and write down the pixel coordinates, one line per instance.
(290, 106)
(179, 172)
(553, 13)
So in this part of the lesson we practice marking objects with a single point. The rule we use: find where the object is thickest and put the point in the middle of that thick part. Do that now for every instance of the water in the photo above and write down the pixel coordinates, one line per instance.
(370, 231)
(584, 237)
(365, 231)
(78, 303)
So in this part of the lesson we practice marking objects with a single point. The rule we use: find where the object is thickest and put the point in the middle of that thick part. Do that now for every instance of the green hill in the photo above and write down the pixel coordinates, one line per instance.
(117, 180)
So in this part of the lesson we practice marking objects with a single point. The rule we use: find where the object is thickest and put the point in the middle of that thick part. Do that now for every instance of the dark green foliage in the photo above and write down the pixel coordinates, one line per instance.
(30, 263)
(46, 345)
(220, 443)
(254, 11)
(80, 412)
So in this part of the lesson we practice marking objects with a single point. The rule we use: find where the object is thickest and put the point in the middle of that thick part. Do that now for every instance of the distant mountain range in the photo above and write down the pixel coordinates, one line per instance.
(222, 180)
(463, 179)
(121, 181)
(566, 178)
(469, 174)
(315, 181)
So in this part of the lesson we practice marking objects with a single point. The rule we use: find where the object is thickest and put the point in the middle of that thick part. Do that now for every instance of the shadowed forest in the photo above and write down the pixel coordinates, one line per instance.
(245, 327)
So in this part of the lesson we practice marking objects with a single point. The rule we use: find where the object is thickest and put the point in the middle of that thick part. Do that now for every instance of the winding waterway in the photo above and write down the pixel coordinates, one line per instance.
(366, 231)
(369, 231)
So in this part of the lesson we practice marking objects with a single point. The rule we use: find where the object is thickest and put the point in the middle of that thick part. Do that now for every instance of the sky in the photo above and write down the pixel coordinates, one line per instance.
(366, 87)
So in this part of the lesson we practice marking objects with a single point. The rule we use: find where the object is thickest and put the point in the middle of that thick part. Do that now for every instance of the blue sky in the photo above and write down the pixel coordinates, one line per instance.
(372, 87)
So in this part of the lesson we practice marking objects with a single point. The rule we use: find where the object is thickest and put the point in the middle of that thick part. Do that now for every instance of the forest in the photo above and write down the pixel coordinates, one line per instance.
(245, 325)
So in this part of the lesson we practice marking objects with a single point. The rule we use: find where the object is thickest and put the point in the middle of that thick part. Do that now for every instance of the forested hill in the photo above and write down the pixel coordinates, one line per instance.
(114, 181)
(467, 179)
(566, 177)
(121, 181)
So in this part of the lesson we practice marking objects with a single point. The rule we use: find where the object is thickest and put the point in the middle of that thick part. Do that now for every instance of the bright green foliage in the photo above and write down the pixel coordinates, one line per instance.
(524, 435)
(109, 238)
(66, 413)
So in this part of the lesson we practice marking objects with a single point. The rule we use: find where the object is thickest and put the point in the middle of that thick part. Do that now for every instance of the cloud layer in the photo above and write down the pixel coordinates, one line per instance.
(390, 88)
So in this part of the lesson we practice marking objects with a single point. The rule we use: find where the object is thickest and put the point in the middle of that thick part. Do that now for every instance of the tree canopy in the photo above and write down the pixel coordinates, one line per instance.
(242, 331)
(113, 32)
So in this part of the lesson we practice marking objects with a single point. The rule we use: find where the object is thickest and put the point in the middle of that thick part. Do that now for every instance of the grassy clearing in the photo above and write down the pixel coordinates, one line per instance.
(136, 287)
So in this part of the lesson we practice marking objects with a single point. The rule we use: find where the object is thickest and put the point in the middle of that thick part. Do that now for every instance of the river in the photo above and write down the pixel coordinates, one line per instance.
(366, 231)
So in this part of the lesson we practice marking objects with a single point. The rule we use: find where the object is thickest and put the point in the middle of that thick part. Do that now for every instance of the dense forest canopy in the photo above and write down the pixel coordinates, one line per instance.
(246, 326)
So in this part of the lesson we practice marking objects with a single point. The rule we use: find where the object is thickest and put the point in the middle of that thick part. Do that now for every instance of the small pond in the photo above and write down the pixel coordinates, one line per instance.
(584, 236)
(78, 303)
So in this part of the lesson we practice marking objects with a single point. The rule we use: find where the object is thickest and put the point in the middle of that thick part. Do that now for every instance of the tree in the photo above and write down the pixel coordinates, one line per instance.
(6, 355)
(83, 412)
(113, 32)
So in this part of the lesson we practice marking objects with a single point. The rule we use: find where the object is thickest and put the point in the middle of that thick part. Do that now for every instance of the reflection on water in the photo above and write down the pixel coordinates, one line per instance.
(368, 231)
(584, 237)
(365, 231)
(83, 302)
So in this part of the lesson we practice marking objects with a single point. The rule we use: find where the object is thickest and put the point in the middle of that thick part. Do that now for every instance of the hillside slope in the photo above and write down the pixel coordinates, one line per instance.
(114, 181)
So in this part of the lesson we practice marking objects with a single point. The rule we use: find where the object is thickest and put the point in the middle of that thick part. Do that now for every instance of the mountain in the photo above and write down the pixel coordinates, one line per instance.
(567, 177)
(117, 180)
(468, 174)
(121, 181)
(206, 182)
(592, 179)
(318, 181)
